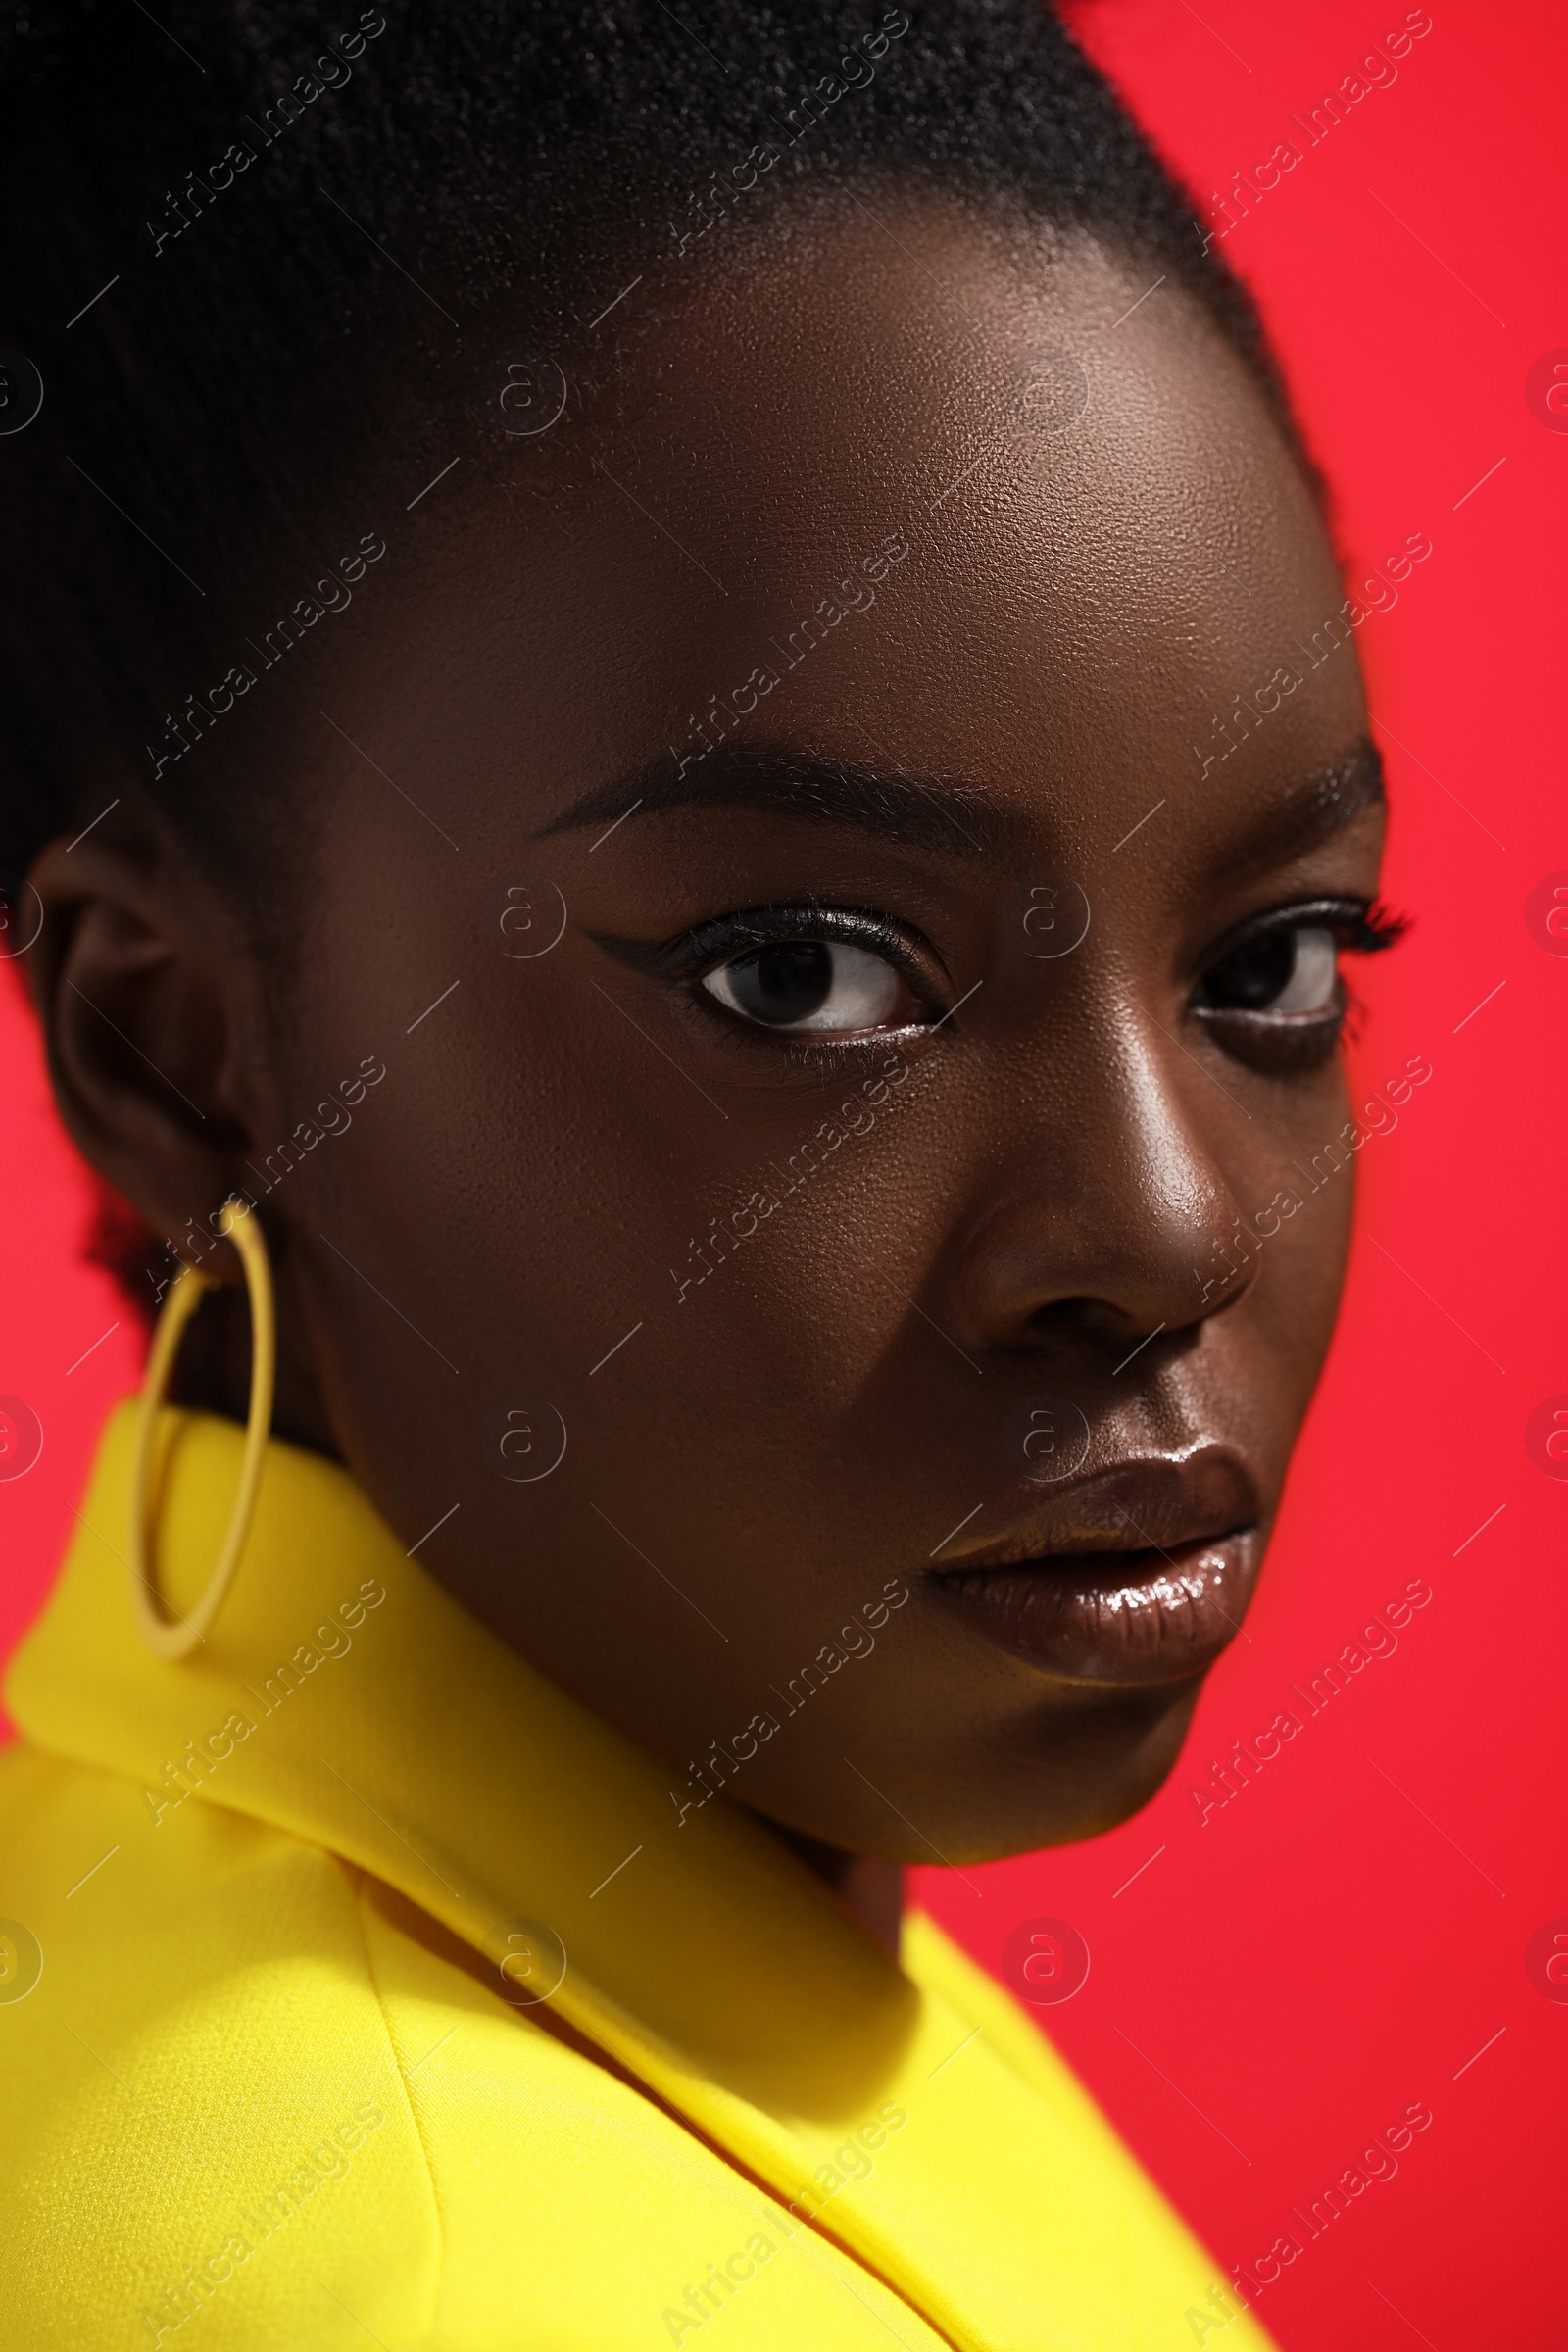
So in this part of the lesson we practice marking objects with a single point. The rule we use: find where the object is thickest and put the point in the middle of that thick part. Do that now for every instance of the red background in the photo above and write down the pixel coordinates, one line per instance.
(1341, 1938)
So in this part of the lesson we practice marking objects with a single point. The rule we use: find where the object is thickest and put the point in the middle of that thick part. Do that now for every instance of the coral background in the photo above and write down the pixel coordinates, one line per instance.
(1349, 1936)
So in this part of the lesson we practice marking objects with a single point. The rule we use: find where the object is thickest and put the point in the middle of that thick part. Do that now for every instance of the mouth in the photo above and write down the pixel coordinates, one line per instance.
(1141, 1574)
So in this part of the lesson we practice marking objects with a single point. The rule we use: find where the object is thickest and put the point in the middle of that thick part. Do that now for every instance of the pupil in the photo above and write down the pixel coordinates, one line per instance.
(1254, 975)
(787, 982)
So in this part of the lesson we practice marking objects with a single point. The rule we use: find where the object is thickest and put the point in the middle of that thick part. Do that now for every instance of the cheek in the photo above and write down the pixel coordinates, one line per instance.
(1301, 1267)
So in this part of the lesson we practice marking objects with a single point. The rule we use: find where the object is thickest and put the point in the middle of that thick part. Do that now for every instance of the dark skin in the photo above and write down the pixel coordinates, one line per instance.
(1037, 1197)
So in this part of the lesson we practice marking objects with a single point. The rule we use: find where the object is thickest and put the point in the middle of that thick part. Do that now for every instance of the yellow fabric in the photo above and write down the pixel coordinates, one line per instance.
(269, 2086)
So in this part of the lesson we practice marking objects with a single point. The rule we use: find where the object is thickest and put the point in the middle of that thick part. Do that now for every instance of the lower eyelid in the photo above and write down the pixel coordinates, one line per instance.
(747, 1025)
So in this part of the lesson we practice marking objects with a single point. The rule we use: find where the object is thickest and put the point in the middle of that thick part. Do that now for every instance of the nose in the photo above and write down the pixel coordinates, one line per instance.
(1111, 1216)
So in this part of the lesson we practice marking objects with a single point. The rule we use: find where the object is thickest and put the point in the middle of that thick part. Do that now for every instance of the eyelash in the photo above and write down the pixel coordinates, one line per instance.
(708, 946)
(1360, 928)
(1376, 928)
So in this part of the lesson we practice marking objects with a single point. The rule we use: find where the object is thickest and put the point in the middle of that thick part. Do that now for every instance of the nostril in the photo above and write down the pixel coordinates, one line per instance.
(1087, 1317)
(1083, 1315)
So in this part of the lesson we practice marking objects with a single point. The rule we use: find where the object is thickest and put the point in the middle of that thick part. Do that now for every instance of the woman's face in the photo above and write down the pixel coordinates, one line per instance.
(845, 1074)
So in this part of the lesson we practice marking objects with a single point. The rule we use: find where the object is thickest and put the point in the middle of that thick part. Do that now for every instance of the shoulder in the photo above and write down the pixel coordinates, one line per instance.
(194, 2037)
(260, 2083)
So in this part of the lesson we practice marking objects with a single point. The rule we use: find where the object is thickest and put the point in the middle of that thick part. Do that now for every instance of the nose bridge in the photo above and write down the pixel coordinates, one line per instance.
(1114, 1198)
(1162, 1142)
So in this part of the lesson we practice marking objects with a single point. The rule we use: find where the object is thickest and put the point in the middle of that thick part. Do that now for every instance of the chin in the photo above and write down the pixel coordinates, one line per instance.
(1065, 1781)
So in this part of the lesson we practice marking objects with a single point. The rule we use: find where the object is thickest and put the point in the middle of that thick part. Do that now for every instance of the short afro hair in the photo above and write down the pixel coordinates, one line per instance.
(242, 240)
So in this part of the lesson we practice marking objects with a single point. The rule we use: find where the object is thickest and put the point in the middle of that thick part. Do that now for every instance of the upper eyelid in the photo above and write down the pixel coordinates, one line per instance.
(1329, 911)
(704, 945)
(726, 936)
(712, 942)
(765, 923)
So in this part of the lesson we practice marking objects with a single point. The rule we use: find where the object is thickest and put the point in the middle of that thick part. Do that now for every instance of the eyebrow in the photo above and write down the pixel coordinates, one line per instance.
(944, 815)
(1316, 807)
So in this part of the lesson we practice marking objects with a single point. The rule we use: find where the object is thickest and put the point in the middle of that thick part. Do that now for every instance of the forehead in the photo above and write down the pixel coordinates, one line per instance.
(977, 500)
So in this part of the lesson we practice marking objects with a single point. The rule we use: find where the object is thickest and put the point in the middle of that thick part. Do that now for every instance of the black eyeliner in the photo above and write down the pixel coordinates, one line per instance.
(705, 945)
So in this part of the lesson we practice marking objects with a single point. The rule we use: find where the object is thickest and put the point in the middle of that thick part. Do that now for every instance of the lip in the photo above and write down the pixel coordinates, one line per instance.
(1135, 1575)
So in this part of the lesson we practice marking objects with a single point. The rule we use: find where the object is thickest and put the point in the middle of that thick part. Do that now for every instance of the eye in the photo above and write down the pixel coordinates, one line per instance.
(815, 985)
(1290, 970)
(1274, 993)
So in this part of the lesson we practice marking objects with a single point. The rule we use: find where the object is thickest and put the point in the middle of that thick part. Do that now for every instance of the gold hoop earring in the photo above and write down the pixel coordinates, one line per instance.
(166, 1635)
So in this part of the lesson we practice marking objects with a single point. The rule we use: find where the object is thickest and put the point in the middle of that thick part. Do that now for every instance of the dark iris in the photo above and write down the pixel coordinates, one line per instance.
(1253, 974)
(784, 983)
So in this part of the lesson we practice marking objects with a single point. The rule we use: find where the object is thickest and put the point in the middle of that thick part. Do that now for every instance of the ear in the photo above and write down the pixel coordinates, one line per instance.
(139, 978)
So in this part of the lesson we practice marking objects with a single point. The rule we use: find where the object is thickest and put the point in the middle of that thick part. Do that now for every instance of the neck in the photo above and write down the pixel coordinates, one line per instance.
(868, 1887)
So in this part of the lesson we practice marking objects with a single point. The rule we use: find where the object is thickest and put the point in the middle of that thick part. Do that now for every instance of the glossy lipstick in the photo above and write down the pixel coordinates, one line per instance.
(1134, 1575)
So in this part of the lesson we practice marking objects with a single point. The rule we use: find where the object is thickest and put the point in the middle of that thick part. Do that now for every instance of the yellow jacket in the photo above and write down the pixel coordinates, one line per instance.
(357, 1985)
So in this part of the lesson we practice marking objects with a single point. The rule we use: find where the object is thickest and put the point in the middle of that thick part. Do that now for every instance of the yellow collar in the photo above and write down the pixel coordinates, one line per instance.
(346, 1699)
(396, 1730)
